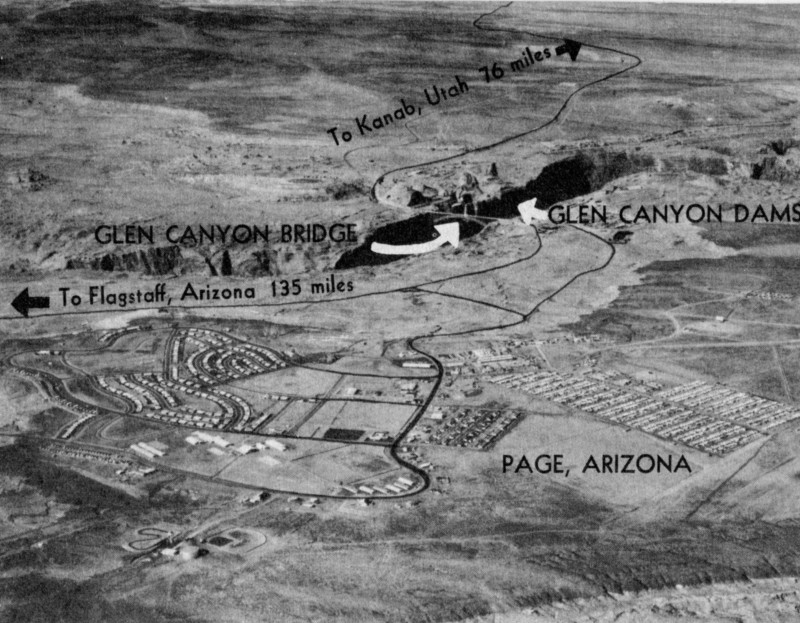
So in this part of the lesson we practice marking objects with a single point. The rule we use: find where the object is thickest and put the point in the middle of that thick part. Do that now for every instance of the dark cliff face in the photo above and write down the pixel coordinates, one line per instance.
(565, 179)
(154, 261)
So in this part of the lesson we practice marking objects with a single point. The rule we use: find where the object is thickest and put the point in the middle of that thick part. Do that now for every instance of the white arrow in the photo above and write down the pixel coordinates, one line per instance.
(448, 232)
(528, 211)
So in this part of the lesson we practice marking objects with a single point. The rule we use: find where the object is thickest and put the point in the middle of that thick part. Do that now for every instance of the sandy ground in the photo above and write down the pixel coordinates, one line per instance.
(771, 601)
(229, 124)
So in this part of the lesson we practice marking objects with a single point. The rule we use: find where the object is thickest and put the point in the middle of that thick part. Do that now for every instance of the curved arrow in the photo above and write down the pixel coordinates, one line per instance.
(448, 232)
(528, 211)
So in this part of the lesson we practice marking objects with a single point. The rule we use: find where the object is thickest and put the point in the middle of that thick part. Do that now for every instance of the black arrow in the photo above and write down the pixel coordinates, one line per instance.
(22, 303)
(570, 47)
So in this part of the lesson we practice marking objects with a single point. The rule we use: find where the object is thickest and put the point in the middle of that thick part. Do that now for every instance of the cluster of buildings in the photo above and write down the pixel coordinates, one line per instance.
(150, 395)
(771, 296)
(397, 486)
(220, 358)
(150, 450)
(67, 432)
(138, 405)
(127, 468)
(219, 445)
(722, 402)
(255, 498)
(305, 502)
(467, 428)
(87, 454)
(706, 417)
(408, 391)
(481, 361)
(213, 358)
(410, 455)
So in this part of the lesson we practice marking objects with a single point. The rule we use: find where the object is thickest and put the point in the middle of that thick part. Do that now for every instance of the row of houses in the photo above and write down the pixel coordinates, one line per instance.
(212, 337)
(88, 454)
(138, 405)
(651, 413)
(248, 425)
(110, 336)
(187, 416)
(70, 430)
(141, 391)
(137, 391)
(222, 360)
(723, 402)
(193, 388)
(127, 468)
(237, 362)
(262, 356)
(398, 486)
(175, 358)
(210, 368)
(86, 412)
(780, 296)
(198, 370)
(468, 428)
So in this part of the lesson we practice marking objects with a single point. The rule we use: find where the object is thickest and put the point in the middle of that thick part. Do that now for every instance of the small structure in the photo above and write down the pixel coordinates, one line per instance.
(188, 552)
(417, 363)
(275, 445)
(258, 497)
(223, 443)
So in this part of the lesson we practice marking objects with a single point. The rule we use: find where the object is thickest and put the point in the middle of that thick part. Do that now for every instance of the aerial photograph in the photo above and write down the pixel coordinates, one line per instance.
(399, 311)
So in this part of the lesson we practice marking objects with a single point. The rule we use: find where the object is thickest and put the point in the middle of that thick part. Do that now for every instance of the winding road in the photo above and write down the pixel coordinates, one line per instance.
(522, 316)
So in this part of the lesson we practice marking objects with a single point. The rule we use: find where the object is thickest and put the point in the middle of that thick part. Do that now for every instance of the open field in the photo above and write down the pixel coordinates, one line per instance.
(359, 416)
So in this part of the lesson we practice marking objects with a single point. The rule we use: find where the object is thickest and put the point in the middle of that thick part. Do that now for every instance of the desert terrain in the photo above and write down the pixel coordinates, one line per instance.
(247, 373)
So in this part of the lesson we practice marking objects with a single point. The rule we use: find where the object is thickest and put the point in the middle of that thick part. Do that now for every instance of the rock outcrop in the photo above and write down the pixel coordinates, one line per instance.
(28, 179)
(154, 261)
(783, 166)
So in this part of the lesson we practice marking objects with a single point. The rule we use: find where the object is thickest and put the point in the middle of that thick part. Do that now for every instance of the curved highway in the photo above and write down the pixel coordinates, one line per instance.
(523, 316)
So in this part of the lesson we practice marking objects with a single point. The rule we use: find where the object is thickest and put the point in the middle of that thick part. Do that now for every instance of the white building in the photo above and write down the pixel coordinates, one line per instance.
(275, 445)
